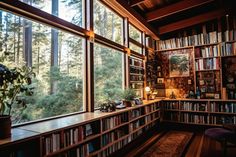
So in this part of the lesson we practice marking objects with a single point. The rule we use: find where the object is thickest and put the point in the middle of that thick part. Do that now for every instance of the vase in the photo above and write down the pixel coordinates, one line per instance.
(127, 103)
(5, 126)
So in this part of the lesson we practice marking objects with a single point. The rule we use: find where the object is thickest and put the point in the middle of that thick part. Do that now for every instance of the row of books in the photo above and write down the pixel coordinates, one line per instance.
(227, 107)
(56, 141)
(171, 105)
(136, 85)
(228, 49)
(151, 108)
(134, 77)
(52, 143)
(136, 62)
(135, 70)
(210, 51)
(193, 106)
(223, 119)
(191, 118)
(118, 145)
(207, 64)
(171, 116)
(82, 151)
(197, 39)
(136, 113)
(111, 122)
(136, 124)
(73, 136)
(112, 136)
(151, 117)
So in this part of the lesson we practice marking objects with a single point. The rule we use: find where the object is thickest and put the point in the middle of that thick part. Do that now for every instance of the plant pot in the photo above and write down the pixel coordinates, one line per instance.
(5, 126)
(127, 103)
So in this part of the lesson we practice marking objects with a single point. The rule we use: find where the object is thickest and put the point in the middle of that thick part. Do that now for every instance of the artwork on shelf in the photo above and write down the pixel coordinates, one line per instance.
(179, 65)
(160, 80)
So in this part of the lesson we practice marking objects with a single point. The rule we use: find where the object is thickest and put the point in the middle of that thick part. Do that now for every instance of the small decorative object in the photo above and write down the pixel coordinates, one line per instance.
(128, 96)
(14, 84)
(198, 93)
(191, 94)
(148, 90)
(138, 101)
(217, 96)
(172, 96)
(108, 107)
(160, 80)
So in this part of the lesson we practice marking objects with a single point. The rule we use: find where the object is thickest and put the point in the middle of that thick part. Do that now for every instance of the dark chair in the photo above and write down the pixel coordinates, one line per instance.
(226, 135)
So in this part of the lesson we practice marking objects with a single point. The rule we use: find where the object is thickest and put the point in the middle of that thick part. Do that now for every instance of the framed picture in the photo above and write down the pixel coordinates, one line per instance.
(201, 82)
(160, 80)
(179, 65)
(217, 96)
(158, 68)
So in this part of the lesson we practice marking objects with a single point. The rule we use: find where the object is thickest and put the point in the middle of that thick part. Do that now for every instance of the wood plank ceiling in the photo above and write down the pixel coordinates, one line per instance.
(167, 16)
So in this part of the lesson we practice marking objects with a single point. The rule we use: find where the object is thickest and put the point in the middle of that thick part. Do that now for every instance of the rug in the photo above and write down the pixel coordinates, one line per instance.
(172, 144)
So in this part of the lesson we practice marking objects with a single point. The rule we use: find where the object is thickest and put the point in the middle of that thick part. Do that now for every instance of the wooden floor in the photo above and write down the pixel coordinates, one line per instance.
(199, 146)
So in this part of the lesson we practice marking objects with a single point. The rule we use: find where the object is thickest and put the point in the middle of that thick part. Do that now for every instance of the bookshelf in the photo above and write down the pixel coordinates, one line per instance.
(208, 112)
(214, 51)
(136, 73)
(85, 134)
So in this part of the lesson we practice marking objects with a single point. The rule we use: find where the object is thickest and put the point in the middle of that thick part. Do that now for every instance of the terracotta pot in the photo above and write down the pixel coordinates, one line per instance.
(5, 126)
(127, 103)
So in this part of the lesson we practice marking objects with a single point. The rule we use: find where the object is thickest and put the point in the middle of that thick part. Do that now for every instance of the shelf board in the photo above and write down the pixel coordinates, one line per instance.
(136, 74)
(197, 58)
(178, 48)
(228, 56)
(111, 129)
(171, 110)
(137, 67)
(203, 45)
(205, 112)
(207, 70)
(136, 81)
(224, 113)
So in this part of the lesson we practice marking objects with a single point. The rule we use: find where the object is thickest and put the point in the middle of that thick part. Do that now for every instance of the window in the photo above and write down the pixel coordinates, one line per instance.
(69, 10)
(107, 23)
(135, 48)
(108, 74)
(135, 41)
(135, 33)
(57, 60)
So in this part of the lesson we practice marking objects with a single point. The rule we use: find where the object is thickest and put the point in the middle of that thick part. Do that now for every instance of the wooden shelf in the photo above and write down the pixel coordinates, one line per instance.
(207, 57)
(207, 70)
(173, 49)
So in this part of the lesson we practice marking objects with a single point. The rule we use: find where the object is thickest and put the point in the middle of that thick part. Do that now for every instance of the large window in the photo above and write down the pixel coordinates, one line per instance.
(69, 10)
(107, 23)
(108, 74)
(57, 60)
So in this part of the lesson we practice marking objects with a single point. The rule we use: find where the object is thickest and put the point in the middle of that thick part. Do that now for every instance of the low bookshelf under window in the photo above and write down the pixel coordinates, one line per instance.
(86, 134)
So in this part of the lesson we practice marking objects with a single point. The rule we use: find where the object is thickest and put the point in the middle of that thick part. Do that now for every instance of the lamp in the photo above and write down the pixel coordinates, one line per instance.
(147, 89)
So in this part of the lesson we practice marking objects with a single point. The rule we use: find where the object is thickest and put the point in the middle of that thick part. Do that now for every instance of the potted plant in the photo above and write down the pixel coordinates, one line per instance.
(128, 96)
(14, 83)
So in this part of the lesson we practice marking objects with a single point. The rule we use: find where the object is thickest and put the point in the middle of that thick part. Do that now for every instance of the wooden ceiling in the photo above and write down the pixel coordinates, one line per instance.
(166, 16)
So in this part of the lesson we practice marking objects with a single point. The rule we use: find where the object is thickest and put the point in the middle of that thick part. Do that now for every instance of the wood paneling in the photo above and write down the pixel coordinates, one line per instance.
(191, 21)
(174, 8)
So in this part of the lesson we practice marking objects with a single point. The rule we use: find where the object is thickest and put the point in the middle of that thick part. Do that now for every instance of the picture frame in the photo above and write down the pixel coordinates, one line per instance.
(179, 65)
(217, 96)
(160, 80)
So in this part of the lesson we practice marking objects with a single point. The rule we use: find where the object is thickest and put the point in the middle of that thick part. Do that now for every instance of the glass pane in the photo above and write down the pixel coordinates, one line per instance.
(107, 23)
(57, 60)
(108, 74)
(135, 33)
(69, 10)
(135, 48)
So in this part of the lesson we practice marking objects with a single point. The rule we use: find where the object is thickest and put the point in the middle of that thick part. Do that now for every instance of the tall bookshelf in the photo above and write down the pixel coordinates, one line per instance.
(136, 73)
(86, 134)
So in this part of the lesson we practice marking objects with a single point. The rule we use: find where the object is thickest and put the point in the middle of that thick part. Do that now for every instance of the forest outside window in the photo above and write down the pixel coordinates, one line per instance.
(56, 57)
(107, 23)
(69, 10)
(108, 74)
(135, 42)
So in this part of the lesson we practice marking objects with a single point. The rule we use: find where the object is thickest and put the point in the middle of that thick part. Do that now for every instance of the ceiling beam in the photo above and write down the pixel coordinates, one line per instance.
(175, 8)
(135, 2)
(191, 21)
(137, 16)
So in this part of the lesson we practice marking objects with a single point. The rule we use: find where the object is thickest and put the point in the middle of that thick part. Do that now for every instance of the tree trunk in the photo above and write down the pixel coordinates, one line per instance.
(54, 45)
